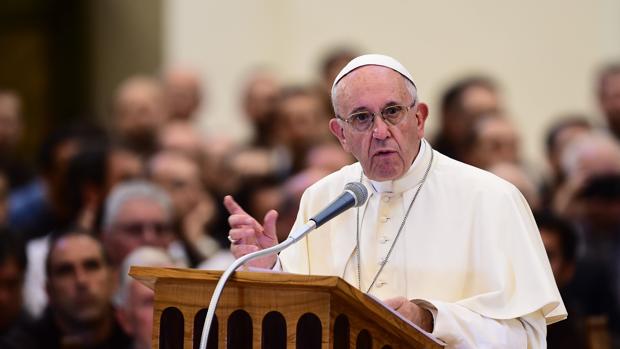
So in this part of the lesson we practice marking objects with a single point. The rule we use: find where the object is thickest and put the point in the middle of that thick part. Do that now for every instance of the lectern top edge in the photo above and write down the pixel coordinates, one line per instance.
(148, 276)
(330, 284)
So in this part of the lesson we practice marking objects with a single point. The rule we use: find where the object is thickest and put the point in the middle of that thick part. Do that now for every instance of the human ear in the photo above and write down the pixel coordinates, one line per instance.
(421, 115)
(337, 130)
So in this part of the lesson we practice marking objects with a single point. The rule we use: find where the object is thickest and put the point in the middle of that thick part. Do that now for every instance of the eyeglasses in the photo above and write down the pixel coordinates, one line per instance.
(136, 229)
(392, 114)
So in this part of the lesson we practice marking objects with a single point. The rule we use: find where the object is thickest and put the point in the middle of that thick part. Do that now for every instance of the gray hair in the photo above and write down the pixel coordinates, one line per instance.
(137, 189)
(596, 143)
(146, 256)
(413, 91)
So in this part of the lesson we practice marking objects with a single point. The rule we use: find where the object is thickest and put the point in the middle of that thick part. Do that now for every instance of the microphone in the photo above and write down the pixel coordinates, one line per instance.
(355, 194)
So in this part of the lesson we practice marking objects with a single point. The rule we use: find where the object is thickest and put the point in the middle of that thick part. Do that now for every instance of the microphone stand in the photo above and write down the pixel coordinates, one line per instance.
(293, 238)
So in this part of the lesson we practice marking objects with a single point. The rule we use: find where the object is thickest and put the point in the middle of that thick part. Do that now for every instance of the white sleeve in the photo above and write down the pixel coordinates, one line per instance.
(462, 328)
(278, 265)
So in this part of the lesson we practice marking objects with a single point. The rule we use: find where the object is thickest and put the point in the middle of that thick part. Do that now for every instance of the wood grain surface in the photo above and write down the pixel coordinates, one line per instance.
(292, 295)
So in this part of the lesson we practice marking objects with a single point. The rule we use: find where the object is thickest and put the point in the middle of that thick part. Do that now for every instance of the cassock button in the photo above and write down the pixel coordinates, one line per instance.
(380, 283)
(384, 219)
(384, 239)
(386, 199)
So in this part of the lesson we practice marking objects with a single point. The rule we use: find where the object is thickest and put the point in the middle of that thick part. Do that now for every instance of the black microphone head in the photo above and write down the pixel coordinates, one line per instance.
(359, 191)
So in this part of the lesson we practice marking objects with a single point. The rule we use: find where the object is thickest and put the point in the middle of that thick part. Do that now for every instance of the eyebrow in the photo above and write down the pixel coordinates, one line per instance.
(358, 110)
(364, 109)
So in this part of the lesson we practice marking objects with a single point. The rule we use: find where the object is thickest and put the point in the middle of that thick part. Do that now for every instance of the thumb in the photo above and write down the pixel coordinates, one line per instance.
(394, 303)
(269, 224)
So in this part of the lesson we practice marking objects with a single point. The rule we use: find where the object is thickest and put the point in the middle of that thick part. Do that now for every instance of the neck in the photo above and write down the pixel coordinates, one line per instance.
(85, 334)
(411, 175)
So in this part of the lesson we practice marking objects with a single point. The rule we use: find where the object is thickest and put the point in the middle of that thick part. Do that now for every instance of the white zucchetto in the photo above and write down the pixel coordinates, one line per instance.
(373, 59)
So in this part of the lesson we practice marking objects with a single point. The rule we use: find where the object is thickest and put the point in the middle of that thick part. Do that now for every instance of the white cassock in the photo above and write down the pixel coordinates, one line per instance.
(470, 251)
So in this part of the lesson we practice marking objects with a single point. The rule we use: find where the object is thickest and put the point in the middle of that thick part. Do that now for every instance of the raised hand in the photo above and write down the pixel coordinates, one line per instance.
(247, 235)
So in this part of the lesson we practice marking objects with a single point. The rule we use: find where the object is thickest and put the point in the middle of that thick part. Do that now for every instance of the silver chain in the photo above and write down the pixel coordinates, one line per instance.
(400, 229)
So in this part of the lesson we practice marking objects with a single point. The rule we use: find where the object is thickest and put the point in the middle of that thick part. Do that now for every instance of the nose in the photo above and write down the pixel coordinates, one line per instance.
(149, 235)
(81, 277)
(381, 129)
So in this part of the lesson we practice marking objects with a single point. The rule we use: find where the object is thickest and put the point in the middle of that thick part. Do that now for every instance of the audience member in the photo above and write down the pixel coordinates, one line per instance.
(140, 110)
(560, 240)
(10, 121)
(15, 167)
(261, 194)
(123, 165)
(558, 136)
(40, 206)
(609, 96)
(590, 198)
(137, 213)
(260, 94)
(333, 61)
(586, 157)
(183, 90)
(461, 105)
(302, 123)
(180, 136)
(90, 174)
(80, 284)
(265, 154)
(12, 268)
(86, 184)
(328, 156)
(293, 189)
(134, 301)
(516, 175)
(493, 139)
(180, 176)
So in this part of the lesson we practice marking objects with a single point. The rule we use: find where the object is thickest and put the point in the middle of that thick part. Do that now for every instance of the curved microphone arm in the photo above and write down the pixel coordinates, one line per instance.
(293, 238)
(354, 195)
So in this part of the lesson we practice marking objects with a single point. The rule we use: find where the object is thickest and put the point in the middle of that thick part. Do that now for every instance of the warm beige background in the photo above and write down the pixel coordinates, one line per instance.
(125, 39)
(543, 53)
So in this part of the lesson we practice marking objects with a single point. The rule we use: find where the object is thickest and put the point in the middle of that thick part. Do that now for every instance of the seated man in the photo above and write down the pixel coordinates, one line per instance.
(79, 286)
(137, 213)
(133, 300)
(560, 240)
(452, 248)
(12, 268)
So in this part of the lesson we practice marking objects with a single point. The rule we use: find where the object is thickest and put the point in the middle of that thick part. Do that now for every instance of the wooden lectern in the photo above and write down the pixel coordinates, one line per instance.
(272, 310)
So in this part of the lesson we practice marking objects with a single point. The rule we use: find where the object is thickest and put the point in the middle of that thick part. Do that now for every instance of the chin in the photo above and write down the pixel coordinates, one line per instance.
(381, 177)
(386, 169)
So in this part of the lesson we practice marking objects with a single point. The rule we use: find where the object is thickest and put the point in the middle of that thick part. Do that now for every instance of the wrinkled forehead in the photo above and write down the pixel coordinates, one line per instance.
(371, 87)
(370, 77)
(74, 248)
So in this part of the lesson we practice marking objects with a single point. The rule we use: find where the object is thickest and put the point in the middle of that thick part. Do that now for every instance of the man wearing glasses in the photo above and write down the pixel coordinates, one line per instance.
(451, 247)
(137, 213)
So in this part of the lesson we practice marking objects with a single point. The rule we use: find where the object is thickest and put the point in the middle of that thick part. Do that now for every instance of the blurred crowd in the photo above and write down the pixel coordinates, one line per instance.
(148, 190)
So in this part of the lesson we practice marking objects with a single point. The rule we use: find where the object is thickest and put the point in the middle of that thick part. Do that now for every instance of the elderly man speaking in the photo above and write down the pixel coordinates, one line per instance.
(451, 247)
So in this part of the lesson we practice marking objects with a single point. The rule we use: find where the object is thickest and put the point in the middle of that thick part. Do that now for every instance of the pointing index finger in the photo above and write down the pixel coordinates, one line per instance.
(232, 206)
(235, 210)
